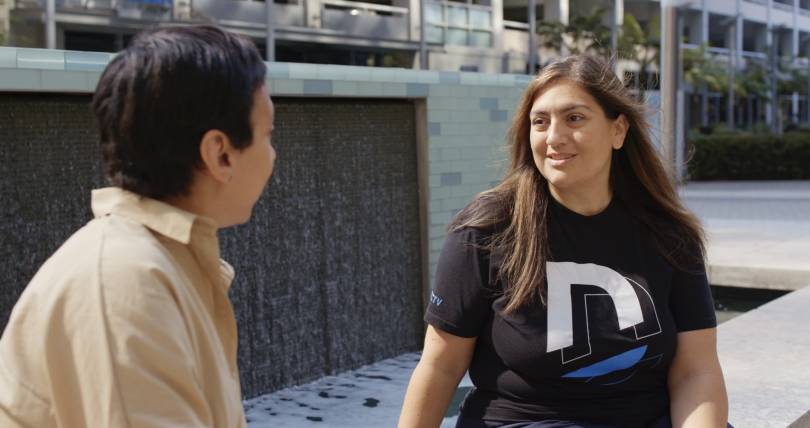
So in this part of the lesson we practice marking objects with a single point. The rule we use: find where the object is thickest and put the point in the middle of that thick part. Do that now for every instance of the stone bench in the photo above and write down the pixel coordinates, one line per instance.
(765, 355)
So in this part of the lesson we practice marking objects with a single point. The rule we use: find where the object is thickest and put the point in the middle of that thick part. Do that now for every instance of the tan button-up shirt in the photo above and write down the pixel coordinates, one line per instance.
(128, 324)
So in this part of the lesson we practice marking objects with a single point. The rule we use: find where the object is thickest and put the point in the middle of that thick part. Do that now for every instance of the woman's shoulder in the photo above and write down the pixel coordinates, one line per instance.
(468, 242)
(472, 232)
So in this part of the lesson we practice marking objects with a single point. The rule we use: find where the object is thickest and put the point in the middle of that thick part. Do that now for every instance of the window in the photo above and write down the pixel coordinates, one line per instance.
(459, 22)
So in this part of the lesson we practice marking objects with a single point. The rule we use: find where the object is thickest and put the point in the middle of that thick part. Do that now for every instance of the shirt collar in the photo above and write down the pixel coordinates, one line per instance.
(165, 219)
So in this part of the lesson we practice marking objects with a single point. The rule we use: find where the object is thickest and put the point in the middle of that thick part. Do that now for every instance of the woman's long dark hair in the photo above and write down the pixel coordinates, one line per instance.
(516, 209)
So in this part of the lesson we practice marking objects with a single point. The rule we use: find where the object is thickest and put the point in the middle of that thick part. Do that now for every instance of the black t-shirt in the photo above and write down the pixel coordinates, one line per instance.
(600, 350)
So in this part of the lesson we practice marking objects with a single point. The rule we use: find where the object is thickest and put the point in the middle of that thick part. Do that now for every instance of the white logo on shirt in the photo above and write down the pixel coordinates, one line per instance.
(561, 276)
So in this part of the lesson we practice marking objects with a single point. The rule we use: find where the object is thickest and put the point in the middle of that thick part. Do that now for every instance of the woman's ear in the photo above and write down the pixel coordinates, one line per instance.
(620, 128)
(215, 149)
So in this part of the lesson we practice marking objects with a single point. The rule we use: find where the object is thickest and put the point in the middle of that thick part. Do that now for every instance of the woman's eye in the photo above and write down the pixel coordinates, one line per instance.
(575, 118)
(539, 122)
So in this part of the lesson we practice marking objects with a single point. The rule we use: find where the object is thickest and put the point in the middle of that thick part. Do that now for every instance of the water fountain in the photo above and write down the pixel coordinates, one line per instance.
(329, 267)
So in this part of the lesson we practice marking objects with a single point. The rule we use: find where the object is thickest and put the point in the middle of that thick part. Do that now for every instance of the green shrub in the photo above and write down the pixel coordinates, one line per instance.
(750, 157)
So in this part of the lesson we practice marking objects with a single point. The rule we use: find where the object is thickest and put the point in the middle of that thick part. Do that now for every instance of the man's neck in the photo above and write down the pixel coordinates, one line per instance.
(199, 201)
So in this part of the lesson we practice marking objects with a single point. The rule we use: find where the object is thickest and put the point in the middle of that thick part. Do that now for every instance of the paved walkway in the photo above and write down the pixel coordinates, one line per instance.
(759, 231)
(764, 355)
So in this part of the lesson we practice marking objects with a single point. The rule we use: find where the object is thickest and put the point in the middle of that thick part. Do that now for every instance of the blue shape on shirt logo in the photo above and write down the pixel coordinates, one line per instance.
(612, 364)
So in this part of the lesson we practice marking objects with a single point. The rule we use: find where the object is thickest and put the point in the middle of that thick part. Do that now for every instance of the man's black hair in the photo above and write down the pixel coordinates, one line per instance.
(157, 98)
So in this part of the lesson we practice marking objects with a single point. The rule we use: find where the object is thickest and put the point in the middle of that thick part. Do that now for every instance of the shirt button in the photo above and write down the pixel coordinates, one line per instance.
(233, 374)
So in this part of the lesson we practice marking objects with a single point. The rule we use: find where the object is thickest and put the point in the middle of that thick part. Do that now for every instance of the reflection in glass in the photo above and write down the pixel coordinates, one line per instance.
(480, 18)
(481, 39)
(434, 13)
(458, 15)
(456, 36)
(434, 34)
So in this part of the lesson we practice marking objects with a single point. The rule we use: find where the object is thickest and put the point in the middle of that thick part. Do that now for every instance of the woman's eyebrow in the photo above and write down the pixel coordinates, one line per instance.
(565, 109)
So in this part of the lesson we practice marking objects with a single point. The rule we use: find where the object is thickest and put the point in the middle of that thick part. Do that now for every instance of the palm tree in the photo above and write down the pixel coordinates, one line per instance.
(704, 73)
(583, 33)
(640, 45)
(700, 68)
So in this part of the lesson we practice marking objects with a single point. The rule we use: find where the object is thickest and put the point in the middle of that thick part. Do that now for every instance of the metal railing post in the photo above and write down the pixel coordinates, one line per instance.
(270, 38)
(50, 24)
(422, 41)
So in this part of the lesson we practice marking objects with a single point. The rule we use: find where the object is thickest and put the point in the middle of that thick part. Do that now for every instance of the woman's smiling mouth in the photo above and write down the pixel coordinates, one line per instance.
(559, 159)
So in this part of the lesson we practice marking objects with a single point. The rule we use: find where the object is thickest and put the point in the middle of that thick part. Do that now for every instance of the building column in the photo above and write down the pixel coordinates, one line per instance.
(181, 10)
(704, 91)
(769, 24)
(497, 26)
(769, 39)
(739, 37)
(313, 13)
(808, 83)
(557, 10)
(617, 14)
(270, 30)
(794, 116)
(50, 24)
(532, 18)
(668, 79)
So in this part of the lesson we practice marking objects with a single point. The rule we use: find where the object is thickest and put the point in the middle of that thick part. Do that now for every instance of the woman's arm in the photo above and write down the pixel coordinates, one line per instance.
(444, 361)
(696, 387)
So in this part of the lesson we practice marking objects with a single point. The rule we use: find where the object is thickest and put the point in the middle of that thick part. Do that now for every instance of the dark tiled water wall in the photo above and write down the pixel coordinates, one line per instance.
(328, 269)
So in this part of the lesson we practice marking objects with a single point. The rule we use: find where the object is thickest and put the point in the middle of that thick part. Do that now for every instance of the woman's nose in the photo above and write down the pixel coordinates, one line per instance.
(557, 134)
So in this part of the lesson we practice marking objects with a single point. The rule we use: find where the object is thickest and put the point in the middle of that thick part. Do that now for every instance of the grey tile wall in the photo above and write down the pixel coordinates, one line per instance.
(468, 113)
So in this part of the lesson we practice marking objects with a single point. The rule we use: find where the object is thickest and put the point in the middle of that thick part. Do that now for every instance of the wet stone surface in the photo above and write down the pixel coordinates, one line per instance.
(328, 270)
(371, 396)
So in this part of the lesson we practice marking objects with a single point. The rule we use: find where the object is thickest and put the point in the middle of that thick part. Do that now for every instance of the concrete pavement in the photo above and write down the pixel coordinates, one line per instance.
(759, 232)
(764, 356)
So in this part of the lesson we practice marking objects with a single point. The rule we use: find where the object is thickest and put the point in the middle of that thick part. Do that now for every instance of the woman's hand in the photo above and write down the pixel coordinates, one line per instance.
(696, 387)
(444, 361)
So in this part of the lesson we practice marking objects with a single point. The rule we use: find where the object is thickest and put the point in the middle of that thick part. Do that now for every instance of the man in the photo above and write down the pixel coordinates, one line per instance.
(129, 324)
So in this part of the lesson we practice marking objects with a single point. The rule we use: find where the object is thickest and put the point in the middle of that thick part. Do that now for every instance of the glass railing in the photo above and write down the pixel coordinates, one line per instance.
(359, 8)
(155, 10)
(459, 24)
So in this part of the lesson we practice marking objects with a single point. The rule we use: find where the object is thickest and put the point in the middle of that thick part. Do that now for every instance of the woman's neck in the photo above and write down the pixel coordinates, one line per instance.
(583, 201)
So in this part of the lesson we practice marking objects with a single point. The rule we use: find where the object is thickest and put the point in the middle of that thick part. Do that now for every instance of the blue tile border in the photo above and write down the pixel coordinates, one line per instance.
(277, 69)
(16, 79)
(8, 57)
(434, 128)
(523, 80)
(412, 83)
(317, 87)
(451, 179)
(450, 77)
(497, 115)
(86, 61)
(489, 103)
(42, 59)
(418, 90)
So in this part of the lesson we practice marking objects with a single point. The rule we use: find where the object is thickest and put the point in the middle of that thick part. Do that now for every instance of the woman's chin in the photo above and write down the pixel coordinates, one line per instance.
(560, 181)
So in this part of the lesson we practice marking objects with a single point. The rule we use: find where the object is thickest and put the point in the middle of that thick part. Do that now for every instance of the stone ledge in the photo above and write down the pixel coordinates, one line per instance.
(764, 356)
(758, 277)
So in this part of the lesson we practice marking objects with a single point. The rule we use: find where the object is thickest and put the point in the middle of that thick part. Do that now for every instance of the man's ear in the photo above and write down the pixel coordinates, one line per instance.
(620, 128)
(215, 149)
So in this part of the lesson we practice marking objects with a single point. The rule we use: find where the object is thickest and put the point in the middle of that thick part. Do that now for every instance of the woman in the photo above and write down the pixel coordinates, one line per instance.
(575, 291)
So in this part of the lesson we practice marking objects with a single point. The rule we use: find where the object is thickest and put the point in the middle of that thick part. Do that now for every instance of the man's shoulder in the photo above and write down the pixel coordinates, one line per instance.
(108, 247)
